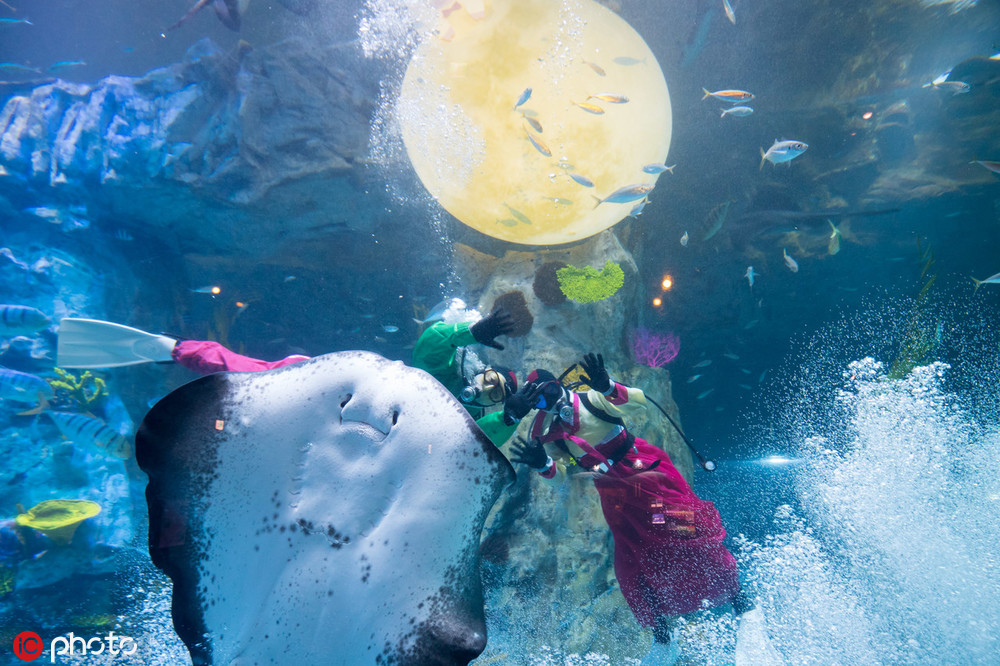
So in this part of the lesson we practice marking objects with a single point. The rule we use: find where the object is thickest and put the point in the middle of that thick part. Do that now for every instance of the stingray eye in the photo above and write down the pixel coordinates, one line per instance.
(346, 400)
(395, 417)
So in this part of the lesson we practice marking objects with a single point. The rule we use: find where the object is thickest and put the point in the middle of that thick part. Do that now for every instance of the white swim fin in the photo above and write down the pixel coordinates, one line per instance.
(753, 646)
(91, 343)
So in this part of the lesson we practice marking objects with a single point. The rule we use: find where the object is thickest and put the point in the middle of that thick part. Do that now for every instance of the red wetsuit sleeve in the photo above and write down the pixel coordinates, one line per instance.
(618, 395)
(206, 357)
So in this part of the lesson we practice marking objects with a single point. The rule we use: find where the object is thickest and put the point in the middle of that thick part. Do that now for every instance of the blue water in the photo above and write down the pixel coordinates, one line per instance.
(864, 509)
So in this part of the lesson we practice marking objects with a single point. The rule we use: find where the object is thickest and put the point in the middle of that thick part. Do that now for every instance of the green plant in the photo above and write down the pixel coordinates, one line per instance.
(587, 284)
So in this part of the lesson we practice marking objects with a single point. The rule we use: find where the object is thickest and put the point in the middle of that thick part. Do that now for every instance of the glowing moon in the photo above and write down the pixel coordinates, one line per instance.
(483, 159)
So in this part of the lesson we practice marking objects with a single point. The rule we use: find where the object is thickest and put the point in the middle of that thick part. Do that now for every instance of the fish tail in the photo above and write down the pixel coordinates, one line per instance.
(723, 114)
(978, 284)
(42, 406)
(598, 200)
(707, 94)
(763, 157)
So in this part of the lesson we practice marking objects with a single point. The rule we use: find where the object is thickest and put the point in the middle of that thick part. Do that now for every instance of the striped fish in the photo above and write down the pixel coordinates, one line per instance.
(22, 387)
(21, 320)
(80, 428)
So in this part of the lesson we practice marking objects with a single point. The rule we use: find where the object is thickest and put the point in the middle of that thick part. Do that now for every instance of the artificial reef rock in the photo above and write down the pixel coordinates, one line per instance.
(208, 147)
(548, 553)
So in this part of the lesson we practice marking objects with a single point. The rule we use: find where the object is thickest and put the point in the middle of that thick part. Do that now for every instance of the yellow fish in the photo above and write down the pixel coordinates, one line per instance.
(590, 108)
(610, 97)
(731, 96)
(539, 146)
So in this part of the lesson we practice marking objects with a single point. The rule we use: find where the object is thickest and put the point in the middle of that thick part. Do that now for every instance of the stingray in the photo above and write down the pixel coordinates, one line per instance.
(325, 512)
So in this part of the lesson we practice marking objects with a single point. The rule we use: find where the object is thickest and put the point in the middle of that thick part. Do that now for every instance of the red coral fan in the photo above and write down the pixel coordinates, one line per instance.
(514, 303)
(546, 284)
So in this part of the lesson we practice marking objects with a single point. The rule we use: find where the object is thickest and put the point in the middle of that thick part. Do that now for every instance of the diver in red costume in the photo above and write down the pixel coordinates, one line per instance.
(669, 556)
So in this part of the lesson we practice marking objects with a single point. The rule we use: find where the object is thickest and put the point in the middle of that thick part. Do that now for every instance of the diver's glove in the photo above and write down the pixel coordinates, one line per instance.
(596, 377)
(530, 453)
(497, 323)
(517, 405)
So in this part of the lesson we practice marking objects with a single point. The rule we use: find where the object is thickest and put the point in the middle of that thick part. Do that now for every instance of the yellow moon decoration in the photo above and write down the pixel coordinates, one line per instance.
(598, 112)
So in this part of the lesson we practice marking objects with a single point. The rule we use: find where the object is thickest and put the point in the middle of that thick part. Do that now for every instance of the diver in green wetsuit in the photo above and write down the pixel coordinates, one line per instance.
(441, 351)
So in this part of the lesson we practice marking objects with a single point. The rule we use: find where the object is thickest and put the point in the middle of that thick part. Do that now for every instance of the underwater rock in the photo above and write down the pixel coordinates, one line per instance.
(554, 541)
(189, 145)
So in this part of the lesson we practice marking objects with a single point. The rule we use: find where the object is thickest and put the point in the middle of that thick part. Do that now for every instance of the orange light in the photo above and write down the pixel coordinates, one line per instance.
(868, 115)
(657, 302)
(668, 282)
(240, 304)
(216, 291)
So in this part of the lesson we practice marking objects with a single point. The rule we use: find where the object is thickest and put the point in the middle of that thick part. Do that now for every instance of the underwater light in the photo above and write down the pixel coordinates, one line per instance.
(657, 302)
(667, 283)
(868, 115)
(776, 460)
(532, 121)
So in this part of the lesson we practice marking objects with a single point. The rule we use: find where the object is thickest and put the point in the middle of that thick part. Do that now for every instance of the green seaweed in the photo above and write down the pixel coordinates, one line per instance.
(922, 332)
(587, 284)
(81, 393)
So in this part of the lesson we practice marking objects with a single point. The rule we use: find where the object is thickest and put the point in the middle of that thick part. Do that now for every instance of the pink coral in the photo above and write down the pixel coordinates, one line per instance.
(654, 349)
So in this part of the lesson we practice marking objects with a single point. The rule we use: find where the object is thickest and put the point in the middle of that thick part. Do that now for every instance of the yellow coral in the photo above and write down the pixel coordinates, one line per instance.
(84, 390)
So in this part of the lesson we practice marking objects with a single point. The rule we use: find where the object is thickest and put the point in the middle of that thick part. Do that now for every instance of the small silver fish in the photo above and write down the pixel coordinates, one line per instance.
(15, 67)
(704, 394)
(582, 180)
(684, 239)
(988, 164)
(782, 151)
(14, 21)
(523, 98)
(750, 275)
(703, 364)
(637, 209)
(658, 168)
(942, 82)
(518, 215)
(793, 265)
(693, 378)
(389, 328)
(559, 200)
(729, 11)
(628, 61)
(738, 111)
(731, 356)
(833, 247)
(65, 64)
(439, 311)
(626, 194)
(993, 279)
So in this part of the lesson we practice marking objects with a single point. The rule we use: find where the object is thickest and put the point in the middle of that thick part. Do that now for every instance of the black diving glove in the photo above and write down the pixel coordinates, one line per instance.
(529, 453)
(497, 323)
(596, 377)
(517, 405)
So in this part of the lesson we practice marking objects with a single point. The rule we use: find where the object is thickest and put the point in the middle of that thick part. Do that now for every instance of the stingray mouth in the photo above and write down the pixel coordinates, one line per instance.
(363, 429)
(365, 422)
